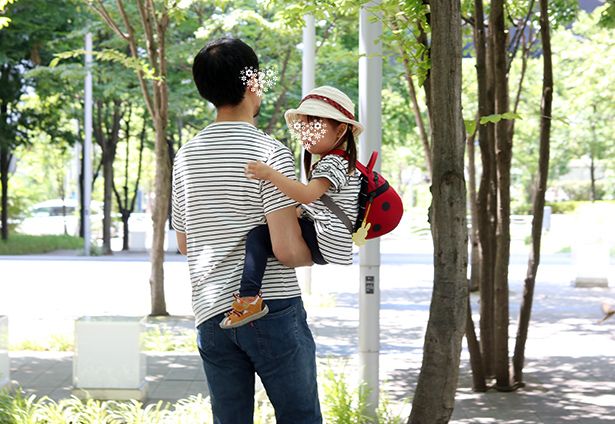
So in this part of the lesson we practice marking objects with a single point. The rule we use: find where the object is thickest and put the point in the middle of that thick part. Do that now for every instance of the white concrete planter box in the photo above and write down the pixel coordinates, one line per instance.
(136, 241)
(591, 263)
(108, 362)
(5, 365)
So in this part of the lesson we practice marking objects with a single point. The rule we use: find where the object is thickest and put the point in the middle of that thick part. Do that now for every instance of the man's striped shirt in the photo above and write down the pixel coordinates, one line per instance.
(216, 206)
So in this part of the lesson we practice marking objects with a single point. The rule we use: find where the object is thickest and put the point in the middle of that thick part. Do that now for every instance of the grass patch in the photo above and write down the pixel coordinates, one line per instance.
(162, 339)
(22, 244)
(53, 343)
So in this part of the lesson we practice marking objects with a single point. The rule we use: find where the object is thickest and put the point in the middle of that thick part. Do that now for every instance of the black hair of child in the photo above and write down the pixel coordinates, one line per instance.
(351, 149)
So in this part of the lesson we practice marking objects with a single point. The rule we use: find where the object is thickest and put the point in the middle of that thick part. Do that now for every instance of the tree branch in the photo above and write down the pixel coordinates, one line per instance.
(135, 53)
(519, 34)
(106, 17)
(278, 104)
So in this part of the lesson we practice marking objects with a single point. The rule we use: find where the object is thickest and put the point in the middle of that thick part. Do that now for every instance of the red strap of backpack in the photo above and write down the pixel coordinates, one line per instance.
(362, 168)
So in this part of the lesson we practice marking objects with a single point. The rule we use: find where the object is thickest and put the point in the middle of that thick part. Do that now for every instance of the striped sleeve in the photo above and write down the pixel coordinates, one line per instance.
(282, 161)
(178, 202)
(335, 169)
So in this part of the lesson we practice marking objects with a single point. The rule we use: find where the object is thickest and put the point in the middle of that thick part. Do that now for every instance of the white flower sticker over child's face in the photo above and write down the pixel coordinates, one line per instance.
(308, 133)
(258, 81)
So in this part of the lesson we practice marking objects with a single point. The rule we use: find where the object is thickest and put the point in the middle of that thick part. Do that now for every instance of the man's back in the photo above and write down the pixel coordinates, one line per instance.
(216, 206)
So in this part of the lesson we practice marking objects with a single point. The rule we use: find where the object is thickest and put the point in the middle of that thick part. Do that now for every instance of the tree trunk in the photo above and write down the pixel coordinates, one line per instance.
(592, 177)
(487, 190)
(127, 205)
(434, 398)
(476, 361)
(503, 160)
(419, 120)
(5, 158)
(418, 116)
(539, 200)
(159, 216)
(108, 200)
(475, 264)
(423, 39)
(81, 192)
(154, 24)
(107, 138)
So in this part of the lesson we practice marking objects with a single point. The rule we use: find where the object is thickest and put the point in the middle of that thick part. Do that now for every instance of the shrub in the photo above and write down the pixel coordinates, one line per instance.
(341, 404)
(21, 244)
(567, 207)
(520, 208)
(54, 342)
(579, 190)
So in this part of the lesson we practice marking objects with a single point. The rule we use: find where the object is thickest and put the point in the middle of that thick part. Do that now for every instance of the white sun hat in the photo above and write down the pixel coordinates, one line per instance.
(326, 102)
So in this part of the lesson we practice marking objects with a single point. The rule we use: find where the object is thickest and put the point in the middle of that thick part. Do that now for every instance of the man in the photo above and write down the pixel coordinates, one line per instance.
(214, 208)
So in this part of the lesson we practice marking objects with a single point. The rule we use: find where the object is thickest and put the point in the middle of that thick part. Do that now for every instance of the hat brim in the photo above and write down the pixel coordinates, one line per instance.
(321, 110)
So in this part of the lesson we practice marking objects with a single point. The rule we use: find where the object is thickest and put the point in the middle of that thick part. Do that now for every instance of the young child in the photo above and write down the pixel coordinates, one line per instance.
(324, 122)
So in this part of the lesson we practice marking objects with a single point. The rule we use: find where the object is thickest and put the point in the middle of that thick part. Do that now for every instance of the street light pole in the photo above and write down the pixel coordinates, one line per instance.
(370, 114)
(87, 147)
(308, 84)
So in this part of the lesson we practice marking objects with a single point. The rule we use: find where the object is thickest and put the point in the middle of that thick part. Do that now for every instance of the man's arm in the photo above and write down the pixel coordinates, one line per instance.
(286, 239)
(181, 242)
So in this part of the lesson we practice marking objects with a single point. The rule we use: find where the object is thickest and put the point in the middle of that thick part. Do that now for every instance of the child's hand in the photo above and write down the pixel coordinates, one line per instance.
(258, 170)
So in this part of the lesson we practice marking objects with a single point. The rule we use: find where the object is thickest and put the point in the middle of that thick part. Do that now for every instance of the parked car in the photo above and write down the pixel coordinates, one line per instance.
(56, 216)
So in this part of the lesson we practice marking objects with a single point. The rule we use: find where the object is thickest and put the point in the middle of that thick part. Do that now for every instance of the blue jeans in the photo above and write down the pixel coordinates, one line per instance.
(280, 348)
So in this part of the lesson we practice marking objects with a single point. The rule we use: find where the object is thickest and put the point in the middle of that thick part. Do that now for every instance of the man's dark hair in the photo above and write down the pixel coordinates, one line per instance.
(217, 71)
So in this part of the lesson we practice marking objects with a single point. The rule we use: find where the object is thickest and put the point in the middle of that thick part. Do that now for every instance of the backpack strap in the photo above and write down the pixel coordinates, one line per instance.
(365, 170)
(330, 203)
(363, 197)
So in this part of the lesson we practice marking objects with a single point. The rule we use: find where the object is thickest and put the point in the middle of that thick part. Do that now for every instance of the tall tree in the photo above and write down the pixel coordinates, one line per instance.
(126, 201)
(494, 54)
(434, 398)
(106, 129)
(154, 18)
(23, 46)
(486, 196)
(503, 158)
(539, 199)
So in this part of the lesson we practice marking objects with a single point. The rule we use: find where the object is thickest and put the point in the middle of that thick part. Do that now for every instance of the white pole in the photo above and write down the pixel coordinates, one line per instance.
(309, 55)
(309, 82)
(370, 114)
(87, 148)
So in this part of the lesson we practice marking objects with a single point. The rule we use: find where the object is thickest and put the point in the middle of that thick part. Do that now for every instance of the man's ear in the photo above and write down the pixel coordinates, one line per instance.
(255, 81)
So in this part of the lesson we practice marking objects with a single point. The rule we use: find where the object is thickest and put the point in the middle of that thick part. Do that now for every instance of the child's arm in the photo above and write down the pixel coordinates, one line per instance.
(296, 190)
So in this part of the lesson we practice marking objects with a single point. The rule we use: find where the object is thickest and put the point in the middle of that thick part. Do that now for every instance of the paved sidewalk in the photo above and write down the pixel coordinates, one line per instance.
(570, 359)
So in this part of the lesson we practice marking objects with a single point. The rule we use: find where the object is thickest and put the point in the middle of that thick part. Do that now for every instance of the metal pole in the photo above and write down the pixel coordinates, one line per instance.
(87, 148)
(370, 114)
(308, 83)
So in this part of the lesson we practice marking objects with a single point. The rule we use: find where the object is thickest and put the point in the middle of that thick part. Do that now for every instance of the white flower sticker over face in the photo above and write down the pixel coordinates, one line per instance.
(259, 81)
(308, 133)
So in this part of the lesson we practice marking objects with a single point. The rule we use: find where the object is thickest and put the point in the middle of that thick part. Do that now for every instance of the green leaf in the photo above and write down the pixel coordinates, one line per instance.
(4, 22)
(497, 118)
(563, 120)
(511, 115)
(490, 118)
(470, 125)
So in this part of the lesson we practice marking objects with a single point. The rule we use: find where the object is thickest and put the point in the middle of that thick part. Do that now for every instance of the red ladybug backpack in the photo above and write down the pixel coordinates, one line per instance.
(380, 207)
